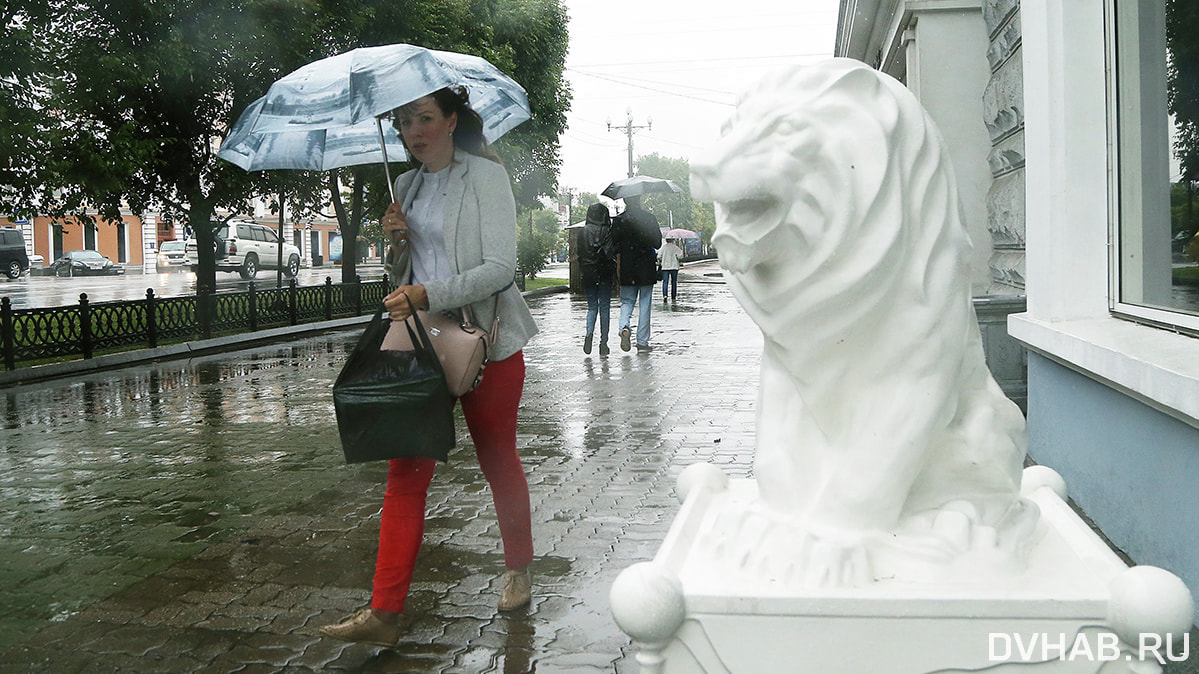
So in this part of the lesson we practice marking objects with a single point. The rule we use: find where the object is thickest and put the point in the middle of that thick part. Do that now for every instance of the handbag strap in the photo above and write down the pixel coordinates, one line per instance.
(418, 336)
(468, 317)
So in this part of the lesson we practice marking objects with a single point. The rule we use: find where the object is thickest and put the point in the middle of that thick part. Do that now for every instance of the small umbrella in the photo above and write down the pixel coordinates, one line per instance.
(638, 185)
(322, 111)
(680, 234)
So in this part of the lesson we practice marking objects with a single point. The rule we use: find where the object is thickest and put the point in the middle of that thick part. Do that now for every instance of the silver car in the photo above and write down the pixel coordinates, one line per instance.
(246, 247)
(172, 256)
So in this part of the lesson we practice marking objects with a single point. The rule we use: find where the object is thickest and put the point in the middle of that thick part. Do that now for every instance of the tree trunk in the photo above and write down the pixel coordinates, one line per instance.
(349, 231)
(199, 217)
(348, 224)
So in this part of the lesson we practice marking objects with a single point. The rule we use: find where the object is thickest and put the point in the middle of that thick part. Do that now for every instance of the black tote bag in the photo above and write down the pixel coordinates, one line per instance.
(393, 404)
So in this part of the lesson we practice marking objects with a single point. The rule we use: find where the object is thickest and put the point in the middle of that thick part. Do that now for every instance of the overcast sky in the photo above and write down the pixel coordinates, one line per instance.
(680, 63)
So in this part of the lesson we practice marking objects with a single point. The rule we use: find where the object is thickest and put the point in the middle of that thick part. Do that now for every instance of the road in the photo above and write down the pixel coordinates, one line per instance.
(28, 292)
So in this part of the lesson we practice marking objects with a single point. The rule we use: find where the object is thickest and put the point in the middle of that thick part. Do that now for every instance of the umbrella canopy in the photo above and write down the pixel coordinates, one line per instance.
(680, 234)
(638, 185)
(326, 114)
(315, 150)
(362, 84)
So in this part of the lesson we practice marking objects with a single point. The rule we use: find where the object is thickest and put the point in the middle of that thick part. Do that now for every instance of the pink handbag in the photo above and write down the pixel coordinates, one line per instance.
(460, 345)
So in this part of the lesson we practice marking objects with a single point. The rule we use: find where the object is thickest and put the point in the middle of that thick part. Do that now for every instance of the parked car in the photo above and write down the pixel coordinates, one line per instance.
(84, 263)
(14, 260)
(172, 256)
(246, 247)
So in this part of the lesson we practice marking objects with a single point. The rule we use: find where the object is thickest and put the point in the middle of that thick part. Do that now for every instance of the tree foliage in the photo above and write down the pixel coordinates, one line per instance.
(124, 104)
(579, 205)
(22, 87)
(536, 238)
(141, 92)
(1182, 25)
(677, 210)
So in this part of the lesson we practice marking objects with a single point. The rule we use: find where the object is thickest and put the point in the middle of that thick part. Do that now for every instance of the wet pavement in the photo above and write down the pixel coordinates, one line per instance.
(197, 516)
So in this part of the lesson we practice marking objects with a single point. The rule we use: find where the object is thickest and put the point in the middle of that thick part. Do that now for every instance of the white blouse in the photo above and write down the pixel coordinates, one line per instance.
(426, 229)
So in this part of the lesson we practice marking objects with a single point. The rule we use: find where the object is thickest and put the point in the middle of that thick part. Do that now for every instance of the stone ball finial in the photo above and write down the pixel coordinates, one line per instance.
(1147, 600)
(647, 602)
(1035, 477)
(700, 475)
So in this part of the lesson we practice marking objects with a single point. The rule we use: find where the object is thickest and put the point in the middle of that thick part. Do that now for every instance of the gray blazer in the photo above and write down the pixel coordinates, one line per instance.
(480, 241)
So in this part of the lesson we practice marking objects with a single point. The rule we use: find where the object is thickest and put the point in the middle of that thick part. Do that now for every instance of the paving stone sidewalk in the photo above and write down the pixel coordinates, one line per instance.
(196, 516)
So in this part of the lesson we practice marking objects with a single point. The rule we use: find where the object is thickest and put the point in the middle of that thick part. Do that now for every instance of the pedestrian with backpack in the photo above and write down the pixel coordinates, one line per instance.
(597, 262)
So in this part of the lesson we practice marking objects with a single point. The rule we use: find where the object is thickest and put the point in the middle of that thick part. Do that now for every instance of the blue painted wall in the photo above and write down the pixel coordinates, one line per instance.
(1132, 469)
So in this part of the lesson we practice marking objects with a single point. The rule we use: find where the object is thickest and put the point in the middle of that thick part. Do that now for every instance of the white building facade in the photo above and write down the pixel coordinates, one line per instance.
(1080, 152)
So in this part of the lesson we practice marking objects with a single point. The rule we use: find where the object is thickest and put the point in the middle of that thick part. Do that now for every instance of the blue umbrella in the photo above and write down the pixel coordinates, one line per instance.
(324, 111)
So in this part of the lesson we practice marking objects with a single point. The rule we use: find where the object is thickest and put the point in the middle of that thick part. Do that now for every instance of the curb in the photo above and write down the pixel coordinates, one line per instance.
(40, 373)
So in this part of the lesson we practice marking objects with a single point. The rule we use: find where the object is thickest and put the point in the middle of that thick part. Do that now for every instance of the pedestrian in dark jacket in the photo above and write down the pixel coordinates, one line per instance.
(638, 238)
(597, 262)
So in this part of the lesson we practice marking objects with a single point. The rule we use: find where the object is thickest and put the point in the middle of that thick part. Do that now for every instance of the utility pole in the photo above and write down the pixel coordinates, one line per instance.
(628, 129)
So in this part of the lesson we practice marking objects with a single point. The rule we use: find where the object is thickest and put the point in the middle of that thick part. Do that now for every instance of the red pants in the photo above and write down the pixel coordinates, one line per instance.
(490, 412)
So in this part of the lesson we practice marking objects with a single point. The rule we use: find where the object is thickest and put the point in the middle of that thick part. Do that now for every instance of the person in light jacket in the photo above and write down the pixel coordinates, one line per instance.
(669, 256)
(453, 244)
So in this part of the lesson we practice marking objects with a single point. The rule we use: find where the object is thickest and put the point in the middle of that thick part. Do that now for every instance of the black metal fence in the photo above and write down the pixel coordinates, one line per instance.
(30, 336)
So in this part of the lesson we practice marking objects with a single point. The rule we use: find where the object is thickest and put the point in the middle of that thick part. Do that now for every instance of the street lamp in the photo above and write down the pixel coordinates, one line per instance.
(628, 129)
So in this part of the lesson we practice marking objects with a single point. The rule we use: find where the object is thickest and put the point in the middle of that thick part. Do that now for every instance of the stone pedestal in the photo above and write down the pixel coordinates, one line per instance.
(1075, 608)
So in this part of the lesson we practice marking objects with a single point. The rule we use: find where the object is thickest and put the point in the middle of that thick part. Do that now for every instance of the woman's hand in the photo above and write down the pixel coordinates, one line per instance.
(398, 305)
(395, 225)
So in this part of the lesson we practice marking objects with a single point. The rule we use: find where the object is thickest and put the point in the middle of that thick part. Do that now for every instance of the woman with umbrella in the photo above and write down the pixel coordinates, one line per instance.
(453, 237)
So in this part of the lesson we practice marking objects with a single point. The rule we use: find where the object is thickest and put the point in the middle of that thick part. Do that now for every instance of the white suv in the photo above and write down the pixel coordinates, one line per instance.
(246, 247)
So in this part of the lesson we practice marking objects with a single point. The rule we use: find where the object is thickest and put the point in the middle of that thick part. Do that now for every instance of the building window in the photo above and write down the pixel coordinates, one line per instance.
(1156, 106)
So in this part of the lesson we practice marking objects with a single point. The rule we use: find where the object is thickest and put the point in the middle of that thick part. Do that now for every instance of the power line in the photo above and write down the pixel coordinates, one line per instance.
(662, 84)
(650, 88)
(582, 138)
(690, 61)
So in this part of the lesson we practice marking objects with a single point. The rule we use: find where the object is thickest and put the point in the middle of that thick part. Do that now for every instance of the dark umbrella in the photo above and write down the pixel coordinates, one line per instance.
(638, 185)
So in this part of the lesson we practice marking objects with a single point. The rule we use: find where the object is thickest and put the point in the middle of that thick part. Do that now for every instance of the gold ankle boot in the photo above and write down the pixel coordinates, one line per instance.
(363, 627)
(518, 590)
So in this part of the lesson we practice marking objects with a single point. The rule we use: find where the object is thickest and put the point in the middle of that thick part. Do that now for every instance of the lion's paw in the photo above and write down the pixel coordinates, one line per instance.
(955, 541)
(757, 546)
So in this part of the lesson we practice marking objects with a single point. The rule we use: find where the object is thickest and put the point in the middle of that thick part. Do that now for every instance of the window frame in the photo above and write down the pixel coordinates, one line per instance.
(1069, 160)
(1159, 317)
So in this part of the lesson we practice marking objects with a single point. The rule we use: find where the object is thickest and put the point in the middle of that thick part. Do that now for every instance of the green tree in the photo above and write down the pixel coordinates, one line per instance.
(1182, 81)
(703, 220)
(22, 83)
(536, 238)
(676, 210)
(139, 94)
(578, 207)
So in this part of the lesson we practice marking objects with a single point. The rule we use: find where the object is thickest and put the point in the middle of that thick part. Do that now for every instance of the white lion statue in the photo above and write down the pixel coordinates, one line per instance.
(884, 448)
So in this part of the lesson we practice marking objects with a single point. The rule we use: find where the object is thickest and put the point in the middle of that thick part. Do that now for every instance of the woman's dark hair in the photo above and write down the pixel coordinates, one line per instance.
(468, 134)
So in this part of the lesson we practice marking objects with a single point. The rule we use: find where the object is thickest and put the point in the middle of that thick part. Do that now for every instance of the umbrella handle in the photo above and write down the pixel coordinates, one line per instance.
(386, 170)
